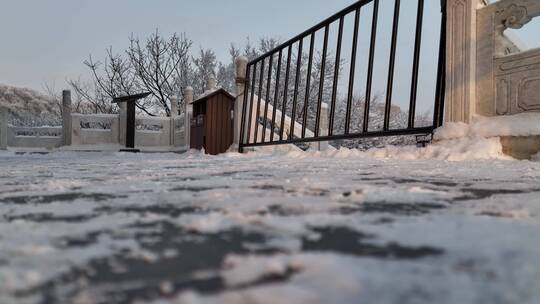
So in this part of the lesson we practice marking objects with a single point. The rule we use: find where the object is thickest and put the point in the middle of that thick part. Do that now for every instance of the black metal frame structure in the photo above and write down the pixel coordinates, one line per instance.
(257, 67)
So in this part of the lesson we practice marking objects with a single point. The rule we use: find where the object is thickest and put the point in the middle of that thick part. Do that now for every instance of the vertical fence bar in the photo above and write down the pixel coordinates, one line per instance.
(391, 65)
(243, 119)
(296, 83)
(321, 82)
(336, 77)
(351, 74)
(267, 100)
(276, 95)
(308, 84)
(251, 101)
(416, 63)
(285, 95)
(259, 101)
(370, 65)
(438, 111)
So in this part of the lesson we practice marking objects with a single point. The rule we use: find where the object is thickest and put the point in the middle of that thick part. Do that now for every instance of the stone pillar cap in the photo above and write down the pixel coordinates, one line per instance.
(212, 83)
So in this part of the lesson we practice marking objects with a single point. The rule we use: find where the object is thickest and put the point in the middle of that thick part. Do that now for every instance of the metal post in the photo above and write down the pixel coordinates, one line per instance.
(285, 92)
(122, 117)
(374, 20)
(3, 128)
(321, 82)
(130, 125)
(66, 118)
(276, 96)
(416, 63)
(188, 112)
(241, 68)
(391, 67)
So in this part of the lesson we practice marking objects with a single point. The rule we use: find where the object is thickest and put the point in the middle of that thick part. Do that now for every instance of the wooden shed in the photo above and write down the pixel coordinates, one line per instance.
(212, 122)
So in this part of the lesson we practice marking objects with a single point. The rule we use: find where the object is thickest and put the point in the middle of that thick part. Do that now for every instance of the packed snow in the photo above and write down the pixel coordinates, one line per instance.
(297, 227)
(523, 124)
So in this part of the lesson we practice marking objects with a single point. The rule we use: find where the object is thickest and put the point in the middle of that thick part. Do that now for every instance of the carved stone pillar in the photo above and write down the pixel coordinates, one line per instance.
(188, 113)
(461, 59)
(66, 118)
(174, 114)
(241, 66)
(3, 128)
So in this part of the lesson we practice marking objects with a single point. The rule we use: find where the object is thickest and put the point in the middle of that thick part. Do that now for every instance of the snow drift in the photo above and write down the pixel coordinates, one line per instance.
(452, 142)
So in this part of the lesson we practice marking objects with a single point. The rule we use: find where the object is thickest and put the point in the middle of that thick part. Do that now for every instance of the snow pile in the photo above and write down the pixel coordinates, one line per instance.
(452, 142)
(450, 150)
(524, 124)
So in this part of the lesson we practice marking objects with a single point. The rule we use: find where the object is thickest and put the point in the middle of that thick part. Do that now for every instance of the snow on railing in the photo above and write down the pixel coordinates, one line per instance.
(100, 129)
(34, 137)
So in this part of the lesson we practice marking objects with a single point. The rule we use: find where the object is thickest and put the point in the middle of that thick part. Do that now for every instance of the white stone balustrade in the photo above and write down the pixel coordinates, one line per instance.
(34, 137)
(487, 73)
(95, 129)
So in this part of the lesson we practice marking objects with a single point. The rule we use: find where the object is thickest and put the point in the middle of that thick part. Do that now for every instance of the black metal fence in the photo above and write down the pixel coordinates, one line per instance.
(290, 93)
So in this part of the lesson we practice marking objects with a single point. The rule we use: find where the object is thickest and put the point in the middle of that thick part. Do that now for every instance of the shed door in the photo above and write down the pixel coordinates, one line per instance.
(219, 132)
(197, 132)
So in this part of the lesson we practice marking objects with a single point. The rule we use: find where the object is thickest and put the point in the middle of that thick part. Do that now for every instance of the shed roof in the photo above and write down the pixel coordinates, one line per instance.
(206, 95)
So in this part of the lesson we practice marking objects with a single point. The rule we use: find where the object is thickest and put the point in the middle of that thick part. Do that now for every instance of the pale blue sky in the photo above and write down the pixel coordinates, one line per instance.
(47, 40)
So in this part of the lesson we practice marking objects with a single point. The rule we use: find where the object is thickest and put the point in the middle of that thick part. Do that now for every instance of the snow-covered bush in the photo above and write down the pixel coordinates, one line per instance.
(29, 108)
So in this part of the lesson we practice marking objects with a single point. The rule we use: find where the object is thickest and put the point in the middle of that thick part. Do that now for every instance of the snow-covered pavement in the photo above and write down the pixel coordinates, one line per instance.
(289, 228)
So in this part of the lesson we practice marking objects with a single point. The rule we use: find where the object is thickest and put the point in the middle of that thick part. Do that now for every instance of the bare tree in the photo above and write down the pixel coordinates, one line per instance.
(53, 95)
(157, 65)
(160, 66)
(91, 98)
(112, 78)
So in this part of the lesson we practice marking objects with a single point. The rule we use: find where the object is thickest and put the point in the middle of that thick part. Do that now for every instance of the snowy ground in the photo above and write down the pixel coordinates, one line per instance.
(160, 228)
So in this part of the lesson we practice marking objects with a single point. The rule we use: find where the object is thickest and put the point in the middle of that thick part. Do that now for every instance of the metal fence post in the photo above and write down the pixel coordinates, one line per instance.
(3, 128)
(122, 117)
(188, 112)
(241, 67)
(66, 118)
